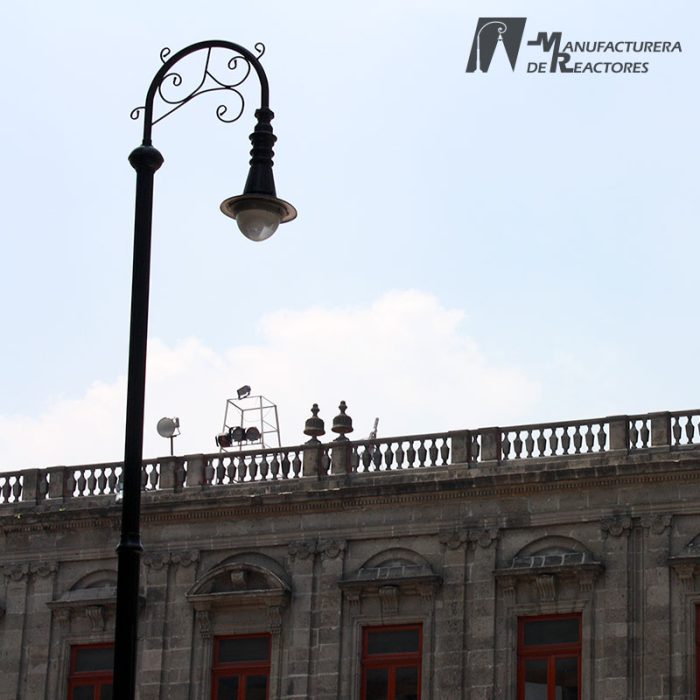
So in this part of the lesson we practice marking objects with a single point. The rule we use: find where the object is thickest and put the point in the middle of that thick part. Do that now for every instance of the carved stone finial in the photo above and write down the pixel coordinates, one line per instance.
(342, 424)
(314, 426)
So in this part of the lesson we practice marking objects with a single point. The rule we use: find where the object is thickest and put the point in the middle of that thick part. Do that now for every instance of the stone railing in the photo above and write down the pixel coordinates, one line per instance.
(493, 446)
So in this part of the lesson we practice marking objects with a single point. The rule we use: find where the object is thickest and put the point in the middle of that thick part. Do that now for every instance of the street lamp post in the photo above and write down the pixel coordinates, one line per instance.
(258, 213)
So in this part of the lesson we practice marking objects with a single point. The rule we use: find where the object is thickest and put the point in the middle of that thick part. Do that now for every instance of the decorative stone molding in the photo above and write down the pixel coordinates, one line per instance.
(454, 539)
(687, 567)
(354, 598)
(43, 569)
(159, 560)
(389, 600)
(616, 526)
(484, 537)
(657, 523)
(546, 587)
(302, 549)
(507, 585)
(17, 572)
(203, 618)
(96, 615)
(331, 549)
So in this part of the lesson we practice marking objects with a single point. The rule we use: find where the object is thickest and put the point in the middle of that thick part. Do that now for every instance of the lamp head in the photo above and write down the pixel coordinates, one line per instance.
(258, 215)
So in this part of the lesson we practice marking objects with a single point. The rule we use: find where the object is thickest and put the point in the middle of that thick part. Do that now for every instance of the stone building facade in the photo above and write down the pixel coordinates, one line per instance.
(540, 561)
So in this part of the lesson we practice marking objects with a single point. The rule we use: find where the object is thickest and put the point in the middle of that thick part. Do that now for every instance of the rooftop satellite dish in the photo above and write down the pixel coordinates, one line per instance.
(169, 428)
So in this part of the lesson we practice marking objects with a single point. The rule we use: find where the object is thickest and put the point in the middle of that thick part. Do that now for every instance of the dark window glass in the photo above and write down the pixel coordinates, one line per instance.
(94, 659)
(558, 631)
(241, 649)
(377, 684)
(393, 641)
(566, 679)
(106, 693)
(84, 692)
(227, 689)
(407, 683)
(256, 688)
(536, 679)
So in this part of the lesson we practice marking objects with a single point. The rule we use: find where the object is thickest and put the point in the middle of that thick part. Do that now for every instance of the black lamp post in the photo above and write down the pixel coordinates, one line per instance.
(258, 213)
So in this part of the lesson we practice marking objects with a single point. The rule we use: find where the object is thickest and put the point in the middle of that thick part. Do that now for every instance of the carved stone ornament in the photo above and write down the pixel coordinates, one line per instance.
(546, 588)
(331, 549)
(616, 526)
(43, 569)
(657, 523)
(16, 573)
(389, 599)
(204, 623)
(302, 549)
(485, 537)
(96, 615)
(454, 539)
(687, 567)
(159, 560)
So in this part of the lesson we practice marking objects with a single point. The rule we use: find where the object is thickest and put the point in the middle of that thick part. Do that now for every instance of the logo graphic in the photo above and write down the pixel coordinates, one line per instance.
(492, 33)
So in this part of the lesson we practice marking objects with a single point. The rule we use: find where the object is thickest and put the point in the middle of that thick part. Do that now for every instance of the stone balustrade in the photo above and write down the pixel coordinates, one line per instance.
(670, 431)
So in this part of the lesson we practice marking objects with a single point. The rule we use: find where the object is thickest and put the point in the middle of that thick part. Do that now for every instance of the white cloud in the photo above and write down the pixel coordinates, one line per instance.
(404, 358)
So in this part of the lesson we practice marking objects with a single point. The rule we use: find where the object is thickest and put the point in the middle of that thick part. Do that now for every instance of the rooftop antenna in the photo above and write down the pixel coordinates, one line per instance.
(249, 419)
(373, 432)
(169, 428)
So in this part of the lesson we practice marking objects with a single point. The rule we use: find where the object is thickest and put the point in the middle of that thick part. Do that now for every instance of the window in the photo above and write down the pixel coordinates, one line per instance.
(549, 657)
(391, 663)
(241, 667)
(90, 676)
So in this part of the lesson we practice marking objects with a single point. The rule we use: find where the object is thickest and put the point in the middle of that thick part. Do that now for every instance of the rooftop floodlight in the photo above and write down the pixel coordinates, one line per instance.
(252, 434)
(238, 434)
(224, 440)
(243, 392)
(169, 428)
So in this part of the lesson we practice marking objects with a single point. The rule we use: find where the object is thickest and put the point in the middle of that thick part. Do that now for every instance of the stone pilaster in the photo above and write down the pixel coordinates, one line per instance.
(37, 638)
(11, 653)
(327, 616)
(449, 617)
(656, 602)
(481, 614)
(295, 684)
(613, 623)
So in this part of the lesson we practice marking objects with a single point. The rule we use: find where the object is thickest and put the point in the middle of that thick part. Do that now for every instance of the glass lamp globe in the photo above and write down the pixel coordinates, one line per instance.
(258, 216)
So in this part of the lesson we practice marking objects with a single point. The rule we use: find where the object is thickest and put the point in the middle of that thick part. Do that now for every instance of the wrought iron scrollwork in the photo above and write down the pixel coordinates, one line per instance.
(239, 65)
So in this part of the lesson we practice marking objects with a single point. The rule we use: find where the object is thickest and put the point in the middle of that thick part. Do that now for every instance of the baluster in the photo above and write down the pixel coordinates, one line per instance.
(296, 465)
(366, 458)
(220, 472)
(690, 430)
(476, 448)
(112, 480)
(518, 445)
(82, 481)
(388, 457)
(644, 434)
(285, 465)
(505, 445)
(565, 441)
(101, 481)
(263, 467)
(422, 454)
(377, 458)
(144, 476)
(355, 460)
(677, 432)
(16, 489)
(589, 438)
(6, 490)
(541, 443)
(399, 454)
(70, 484)
(445, 451)
(433, 451)
(154, 477)
(634, 433)
(578, 440)
(529, 444)
(325, 462)
(602, 437)
(241, 469)
(91, 483)
(180, 474)
(553, 442)
(230, 470)
(274, 467)
(411, 454)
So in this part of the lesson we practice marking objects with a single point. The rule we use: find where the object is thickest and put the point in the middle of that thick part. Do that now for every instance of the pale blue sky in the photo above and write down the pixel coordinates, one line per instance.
(540, 228)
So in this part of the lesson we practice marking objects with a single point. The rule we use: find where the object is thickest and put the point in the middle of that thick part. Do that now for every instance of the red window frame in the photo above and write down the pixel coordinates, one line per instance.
(548, 652)
(391, 662)
(240, 669)
(97, 680)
